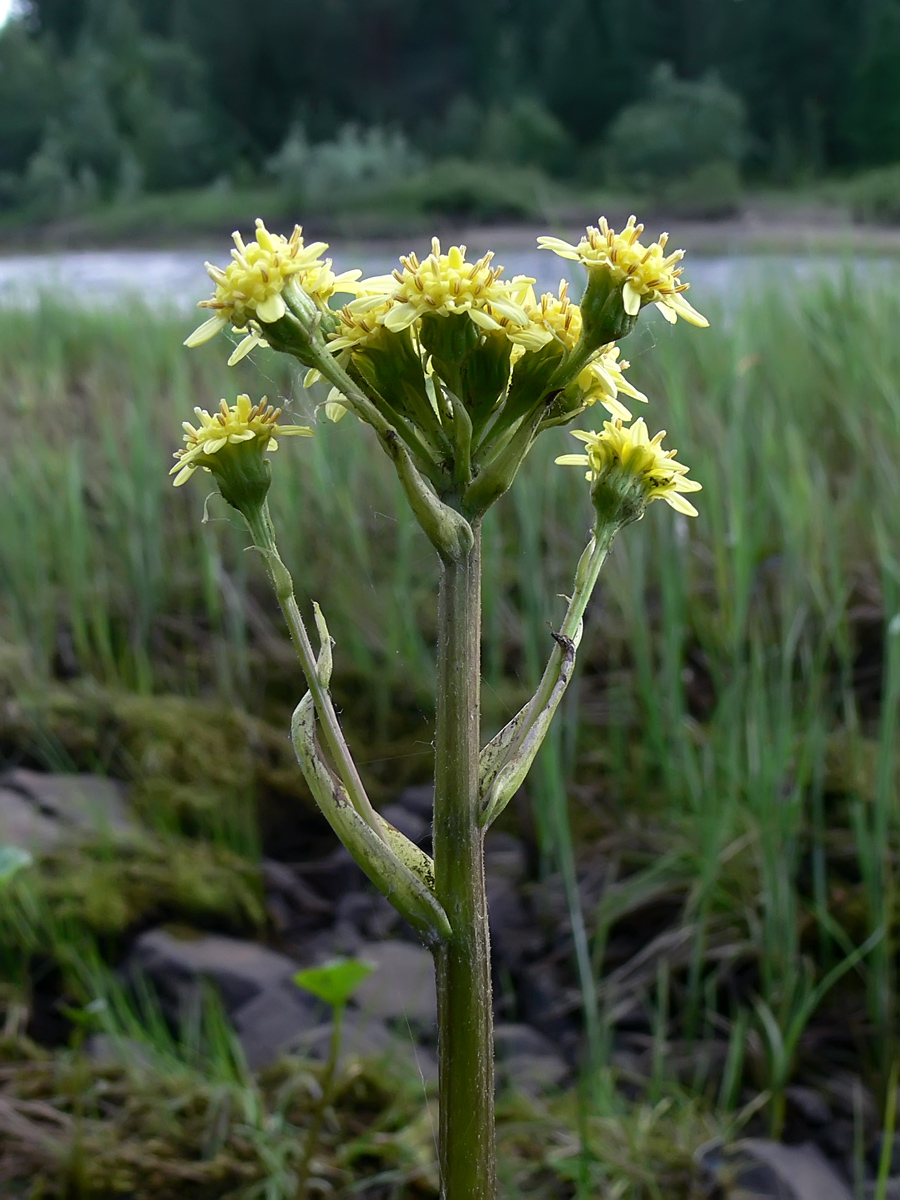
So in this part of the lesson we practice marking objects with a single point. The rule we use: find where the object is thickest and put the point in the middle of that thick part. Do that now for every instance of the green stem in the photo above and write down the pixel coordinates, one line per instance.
(315, 1129)
(586, 574)
(263, 534)
(465, 1018)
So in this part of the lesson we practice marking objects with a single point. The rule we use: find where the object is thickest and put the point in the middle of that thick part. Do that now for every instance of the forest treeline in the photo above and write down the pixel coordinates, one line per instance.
(110, 98)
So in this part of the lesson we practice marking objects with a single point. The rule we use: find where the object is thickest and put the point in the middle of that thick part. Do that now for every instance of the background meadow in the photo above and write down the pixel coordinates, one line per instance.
(712, 829)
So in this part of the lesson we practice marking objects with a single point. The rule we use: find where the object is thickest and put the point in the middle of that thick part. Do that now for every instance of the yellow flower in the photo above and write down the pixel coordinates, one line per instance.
(602, 380)
(646, 273)
(443, 284)
(550, 318)
(621, 455)
(231, 425)
(251, 285)
(360, 321)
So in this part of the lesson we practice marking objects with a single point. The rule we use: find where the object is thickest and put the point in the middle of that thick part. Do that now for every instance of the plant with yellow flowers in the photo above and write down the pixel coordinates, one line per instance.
(457, 370)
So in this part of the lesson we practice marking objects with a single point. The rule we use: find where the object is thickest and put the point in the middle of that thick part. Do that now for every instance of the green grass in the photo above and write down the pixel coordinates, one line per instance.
(729, 747)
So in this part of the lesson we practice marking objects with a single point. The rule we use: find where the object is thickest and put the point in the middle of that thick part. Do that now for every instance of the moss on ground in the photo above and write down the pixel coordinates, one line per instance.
(71, 1127)
(107, 889)
(190, 764)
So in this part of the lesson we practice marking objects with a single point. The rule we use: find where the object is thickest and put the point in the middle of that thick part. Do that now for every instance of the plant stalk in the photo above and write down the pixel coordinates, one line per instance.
(315, 1129)
(465, 1016)
(586, 575)
(263, 534)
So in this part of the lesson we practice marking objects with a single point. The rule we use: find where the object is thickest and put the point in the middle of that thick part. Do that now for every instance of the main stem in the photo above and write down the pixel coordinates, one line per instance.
(465, 1016)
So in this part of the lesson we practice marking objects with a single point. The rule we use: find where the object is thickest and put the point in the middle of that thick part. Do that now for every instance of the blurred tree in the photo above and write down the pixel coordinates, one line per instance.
(678, 127)
(817, 77)
(870, 121)
(29, 94)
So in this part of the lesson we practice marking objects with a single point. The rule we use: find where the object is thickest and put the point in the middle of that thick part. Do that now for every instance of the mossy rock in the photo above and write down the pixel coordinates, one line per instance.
(109, 889)
(192, 765)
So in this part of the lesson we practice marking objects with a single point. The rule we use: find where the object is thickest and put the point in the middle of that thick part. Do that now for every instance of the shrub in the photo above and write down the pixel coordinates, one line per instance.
(357, 158)
(681, 126)
(524, 134)
(710, 191)
(521, 133)
(875, 195)
(453, 187)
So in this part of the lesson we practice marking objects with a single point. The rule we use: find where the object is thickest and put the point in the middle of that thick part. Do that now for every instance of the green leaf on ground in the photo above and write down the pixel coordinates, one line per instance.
(335, 981)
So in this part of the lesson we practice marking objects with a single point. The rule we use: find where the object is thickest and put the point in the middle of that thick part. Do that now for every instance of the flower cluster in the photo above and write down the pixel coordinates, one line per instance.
(645, 274)
(552, 318)
(624, 461)
(442, 333)
(251, 287)
(441, 285)
(231, 426)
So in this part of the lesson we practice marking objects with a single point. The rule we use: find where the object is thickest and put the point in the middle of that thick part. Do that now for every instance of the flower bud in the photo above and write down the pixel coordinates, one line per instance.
(231, 445)
(627, 471)
(623, 277)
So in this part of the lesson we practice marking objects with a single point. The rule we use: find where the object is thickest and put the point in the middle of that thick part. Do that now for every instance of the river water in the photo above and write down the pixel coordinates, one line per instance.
(177, 279)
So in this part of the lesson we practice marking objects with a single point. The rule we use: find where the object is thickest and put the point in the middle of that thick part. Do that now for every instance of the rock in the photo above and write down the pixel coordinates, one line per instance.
(401, 989)
(891, 1191)
(416, 827)
(368, 913)
(279, 879)
(505, 857)
(283, 1019)
(293, 906)
(274, 1021)
(40, 811)
(21, 824)
(418, 799)
(335, 875)
(761, 1169)
(548, 1004)
(809, 1104)
(516, 938)
(177, 965)
(526, 1060)
(108, 1051)
(364, 1036)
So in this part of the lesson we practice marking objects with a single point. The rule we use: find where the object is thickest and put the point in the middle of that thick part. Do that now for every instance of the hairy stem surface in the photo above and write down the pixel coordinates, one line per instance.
(467, 1144)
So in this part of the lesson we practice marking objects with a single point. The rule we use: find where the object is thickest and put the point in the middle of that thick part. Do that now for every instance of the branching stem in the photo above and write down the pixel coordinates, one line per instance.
(263, 534)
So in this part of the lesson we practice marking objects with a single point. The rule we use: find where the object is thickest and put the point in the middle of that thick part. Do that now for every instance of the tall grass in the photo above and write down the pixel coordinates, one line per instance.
(730, 745)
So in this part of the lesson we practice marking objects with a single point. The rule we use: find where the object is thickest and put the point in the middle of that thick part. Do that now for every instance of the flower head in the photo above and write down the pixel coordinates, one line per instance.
(645, 274)
(231, 443)
(602, 380)
(627, 471)
(361, 321)
(552, 318)
(441, 285)
(251, 286)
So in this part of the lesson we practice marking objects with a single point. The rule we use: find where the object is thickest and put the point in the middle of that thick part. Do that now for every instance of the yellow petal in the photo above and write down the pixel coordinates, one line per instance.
(482, 319)
(183, 475)
(207, 330)
(271, 309)
(243, 348)
(680, 504)
(687, 311)
(616, 407)
(631, 299)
